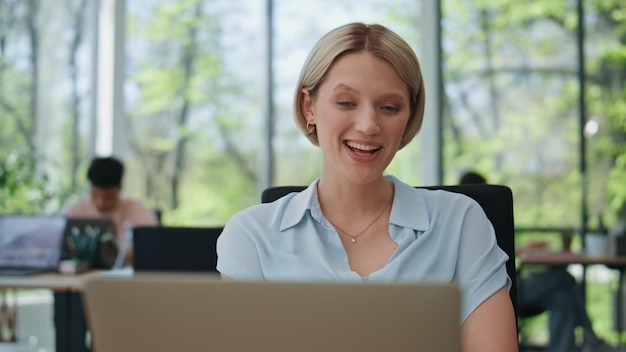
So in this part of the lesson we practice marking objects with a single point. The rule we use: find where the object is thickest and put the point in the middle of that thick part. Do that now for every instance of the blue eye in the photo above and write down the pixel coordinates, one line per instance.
(390, 109)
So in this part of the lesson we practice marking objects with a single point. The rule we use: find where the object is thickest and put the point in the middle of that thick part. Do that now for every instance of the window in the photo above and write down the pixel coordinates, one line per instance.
(512, 107)
(197, 97)
(46, 103)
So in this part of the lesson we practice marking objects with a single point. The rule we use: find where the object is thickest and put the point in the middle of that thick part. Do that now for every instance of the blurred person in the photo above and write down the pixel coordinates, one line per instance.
(105, 200)
(360, 98)
(553, 290)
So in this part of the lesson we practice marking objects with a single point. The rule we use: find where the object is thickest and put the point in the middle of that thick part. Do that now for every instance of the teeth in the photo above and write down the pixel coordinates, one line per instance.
(364, 147)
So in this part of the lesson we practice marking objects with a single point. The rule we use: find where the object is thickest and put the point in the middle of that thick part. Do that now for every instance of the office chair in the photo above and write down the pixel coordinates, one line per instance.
(496, 201)
(158, 213)
(176, 249)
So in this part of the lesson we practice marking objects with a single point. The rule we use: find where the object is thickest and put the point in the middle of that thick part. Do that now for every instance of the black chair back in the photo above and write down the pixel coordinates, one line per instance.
(176, 249)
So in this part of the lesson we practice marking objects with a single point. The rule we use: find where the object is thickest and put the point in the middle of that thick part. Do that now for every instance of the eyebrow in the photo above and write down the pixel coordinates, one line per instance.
(343, 86)
(393, 95)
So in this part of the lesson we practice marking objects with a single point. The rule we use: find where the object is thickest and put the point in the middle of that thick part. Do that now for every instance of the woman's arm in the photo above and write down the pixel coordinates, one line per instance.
(491, 327)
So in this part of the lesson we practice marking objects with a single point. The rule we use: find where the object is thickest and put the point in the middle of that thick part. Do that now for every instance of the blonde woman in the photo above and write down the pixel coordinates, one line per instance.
(360, 98)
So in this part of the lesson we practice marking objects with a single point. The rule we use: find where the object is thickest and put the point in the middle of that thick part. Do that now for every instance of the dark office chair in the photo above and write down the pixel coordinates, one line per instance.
(496, 201)
(158, 214)
(176, 249)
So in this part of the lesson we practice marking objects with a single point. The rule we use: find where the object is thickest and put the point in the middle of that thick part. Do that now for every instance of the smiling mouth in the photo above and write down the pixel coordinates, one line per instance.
(363, 149)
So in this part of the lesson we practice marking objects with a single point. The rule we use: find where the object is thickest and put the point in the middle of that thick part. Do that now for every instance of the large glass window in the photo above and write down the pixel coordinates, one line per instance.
(605, 93)
(196, 98)
(513, 109)
(194, 102)
(511, 103)
(515, 106)
(46, 105)
(198, 94)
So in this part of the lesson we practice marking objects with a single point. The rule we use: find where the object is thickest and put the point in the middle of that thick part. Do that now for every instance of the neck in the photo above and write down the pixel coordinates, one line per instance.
(353, 201)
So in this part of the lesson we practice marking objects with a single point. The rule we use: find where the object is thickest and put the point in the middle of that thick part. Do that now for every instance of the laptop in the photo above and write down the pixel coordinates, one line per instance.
(92, 240)
(199, 312)
(170, 248)
(30, 244)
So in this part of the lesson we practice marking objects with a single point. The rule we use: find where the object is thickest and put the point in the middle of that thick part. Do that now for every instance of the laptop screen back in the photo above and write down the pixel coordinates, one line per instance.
(181, 249)
(92, 240)
(167, 312)
(31, 241)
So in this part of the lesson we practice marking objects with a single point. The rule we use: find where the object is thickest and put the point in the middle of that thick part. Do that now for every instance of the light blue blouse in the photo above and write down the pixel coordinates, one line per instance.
(442, 237)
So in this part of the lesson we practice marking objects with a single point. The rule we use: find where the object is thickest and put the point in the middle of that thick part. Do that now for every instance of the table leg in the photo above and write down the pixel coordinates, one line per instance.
(69, 321)
(620, 307)
(61, 320)
(8, 316)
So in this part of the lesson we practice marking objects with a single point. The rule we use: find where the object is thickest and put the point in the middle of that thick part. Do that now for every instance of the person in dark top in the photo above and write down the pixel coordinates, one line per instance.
(556, 291)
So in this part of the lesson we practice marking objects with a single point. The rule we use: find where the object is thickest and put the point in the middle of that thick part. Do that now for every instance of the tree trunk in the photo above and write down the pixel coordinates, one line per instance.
(188, 59)
(33, 34)
(75, 99)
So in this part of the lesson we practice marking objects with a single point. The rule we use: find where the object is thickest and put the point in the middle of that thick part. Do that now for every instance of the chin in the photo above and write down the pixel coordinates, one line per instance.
(366, 179)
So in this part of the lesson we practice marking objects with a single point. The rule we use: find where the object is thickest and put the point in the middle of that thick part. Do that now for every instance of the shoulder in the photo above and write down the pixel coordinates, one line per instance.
(422, 204)
(429, 194)
(457, 207)
(133, 203)
(275, 216)
(442, 198)
(137, 212)
(260, 239)
(449, 208)
(270, 219)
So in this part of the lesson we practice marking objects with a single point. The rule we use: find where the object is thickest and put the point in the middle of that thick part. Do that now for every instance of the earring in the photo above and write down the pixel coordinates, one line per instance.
(310, 129)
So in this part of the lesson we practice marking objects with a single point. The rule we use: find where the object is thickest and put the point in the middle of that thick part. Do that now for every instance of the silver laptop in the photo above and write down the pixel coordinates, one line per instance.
(30, 244)
(198, 312)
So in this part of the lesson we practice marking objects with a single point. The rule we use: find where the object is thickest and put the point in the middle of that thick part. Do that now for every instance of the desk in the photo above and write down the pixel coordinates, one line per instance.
(62, 283)
(52, 281)
(566, 258)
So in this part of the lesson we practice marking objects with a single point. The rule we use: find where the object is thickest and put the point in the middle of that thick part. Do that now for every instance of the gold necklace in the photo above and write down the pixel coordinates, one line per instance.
(354, 237)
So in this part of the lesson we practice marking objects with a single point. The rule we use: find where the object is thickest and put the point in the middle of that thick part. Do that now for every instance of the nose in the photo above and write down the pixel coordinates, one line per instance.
(368, 121)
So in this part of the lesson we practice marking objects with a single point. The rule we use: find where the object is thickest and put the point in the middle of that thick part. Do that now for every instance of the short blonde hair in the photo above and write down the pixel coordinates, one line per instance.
(381, 42)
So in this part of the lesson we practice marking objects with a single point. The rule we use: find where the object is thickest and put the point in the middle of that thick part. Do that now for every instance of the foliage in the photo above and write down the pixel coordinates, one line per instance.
(512, 112)
(193, 153)
(196, 115)
(23, 188)
(512, 109)
(42, 100)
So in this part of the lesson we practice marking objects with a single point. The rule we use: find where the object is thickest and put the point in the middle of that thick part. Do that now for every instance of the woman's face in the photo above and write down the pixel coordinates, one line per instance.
(360, 111)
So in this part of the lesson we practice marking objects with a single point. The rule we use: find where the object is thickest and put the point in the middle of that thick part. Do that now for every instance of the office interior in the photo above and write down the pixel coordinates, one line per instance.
(196, 97)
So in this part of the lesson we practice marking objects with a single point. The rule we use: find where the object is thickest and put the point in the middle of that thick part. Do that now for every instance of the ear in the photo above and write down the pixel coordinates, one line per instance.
(307, 106)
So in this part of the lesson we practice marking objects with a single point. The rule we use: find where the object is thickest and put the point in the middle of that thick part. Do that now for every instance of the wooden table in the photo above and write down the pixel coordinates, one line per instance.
(541, 257)
(566, 258)
(63, 283)
(52, 281)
